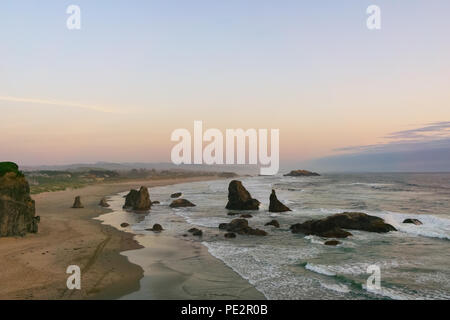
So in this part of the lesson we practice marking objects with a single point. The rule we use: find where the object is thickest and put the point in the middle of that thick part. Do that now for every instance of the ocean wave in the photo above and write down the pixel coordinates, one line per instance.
(393, 293)
(267, 268)
(359, 268)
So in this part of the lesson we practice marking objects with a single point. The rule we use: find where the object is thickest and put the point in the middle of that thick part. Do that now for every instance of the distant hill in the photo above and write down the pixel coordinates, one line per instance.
(239, 169)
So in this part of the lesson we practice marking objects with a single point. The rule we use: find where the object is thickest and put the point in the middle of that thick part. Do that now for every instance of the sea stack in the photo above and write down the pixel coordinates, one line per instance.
(138, 200)
(275, 204)
(17, 209)
(239, 198)
(77, 203)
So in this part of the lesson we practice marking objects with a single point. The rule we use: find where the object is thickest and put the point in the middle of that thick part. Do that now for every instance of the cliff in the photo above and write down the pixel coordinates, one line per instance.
(17, 209)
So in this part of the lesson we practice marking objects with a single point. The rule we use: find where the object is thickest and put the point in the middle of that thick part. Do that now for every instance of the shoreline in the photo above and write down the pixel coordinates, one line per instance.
(176, 265)
(34, 267)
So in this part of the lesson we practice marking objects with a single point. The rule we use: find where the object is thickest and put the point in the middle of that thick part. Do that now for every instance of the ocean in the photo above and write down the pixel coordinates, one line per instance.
(414, 261)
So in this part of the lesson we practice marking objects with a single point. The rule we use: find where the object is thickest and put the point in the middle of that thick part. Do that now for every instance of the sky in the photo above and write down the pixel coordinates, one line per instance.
(137, 70)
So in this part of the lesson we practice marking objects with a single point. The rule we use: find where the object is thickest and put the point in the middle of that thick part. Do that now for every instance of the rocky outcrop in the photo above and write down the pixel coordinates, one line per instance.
(176, 195)
(273, 223)
(181, 203)
(332, 226)
(103, 203)
(240, 226)
(301, 173)
(275, 204)
(413, 221)
(138, 200)
(77, 203)
(239, 198)
(17, 209)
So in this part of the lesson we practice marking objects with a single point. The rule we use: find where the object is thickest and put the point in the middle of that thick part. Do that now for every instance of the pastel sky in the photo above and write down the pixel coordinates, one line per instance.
(137, 70)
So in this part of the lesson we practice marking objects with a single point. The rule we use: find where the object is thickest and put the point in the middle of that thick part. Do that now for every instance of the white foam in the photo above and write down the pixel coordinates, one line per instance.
(319, 269)
(336, 287)
(432, 226)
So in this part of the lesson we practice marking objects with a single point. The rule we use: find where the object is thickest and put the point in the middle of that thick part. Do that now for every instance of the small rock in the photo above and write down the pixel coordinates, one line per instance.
(246, 215)
(240, 226)
(124, 225)
(103, 203)
(156, 228)
(181, 203)
(176, 195)
(413, 221)
(332, 243)
(197, 233)
(273, 223)
(155, 202)
(230, 235)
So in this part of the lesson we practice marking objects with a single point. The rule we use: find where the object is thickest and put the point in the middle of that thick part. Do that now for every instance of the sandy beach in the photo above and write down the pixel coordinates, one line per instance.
(34, 267)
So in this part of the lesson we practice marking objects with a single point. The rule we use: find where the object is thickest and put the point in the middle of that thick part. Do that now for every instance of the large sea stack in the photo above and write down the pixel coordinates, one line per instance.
(17, 209)
(275, 204)
(332, 226)
(239, 198)
(138, 200)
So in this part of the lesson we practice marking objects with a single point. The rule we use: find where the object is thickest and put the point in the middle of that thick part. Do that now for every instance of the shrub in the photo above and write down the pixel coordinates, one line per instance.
(6, 167)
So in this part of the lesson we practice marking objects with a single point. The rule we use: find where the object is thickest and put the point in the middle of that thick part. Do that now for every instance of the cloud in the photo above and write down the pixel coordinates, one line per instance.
(60, 104)
(433, 135)
(435, 129)
(424, 149)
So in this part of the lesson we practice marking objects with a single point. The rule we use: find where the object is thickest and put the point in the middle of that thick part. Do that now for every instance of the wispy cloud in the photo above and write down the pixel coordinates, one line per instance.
(432, 135)
(432, 130)
(60, 104)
